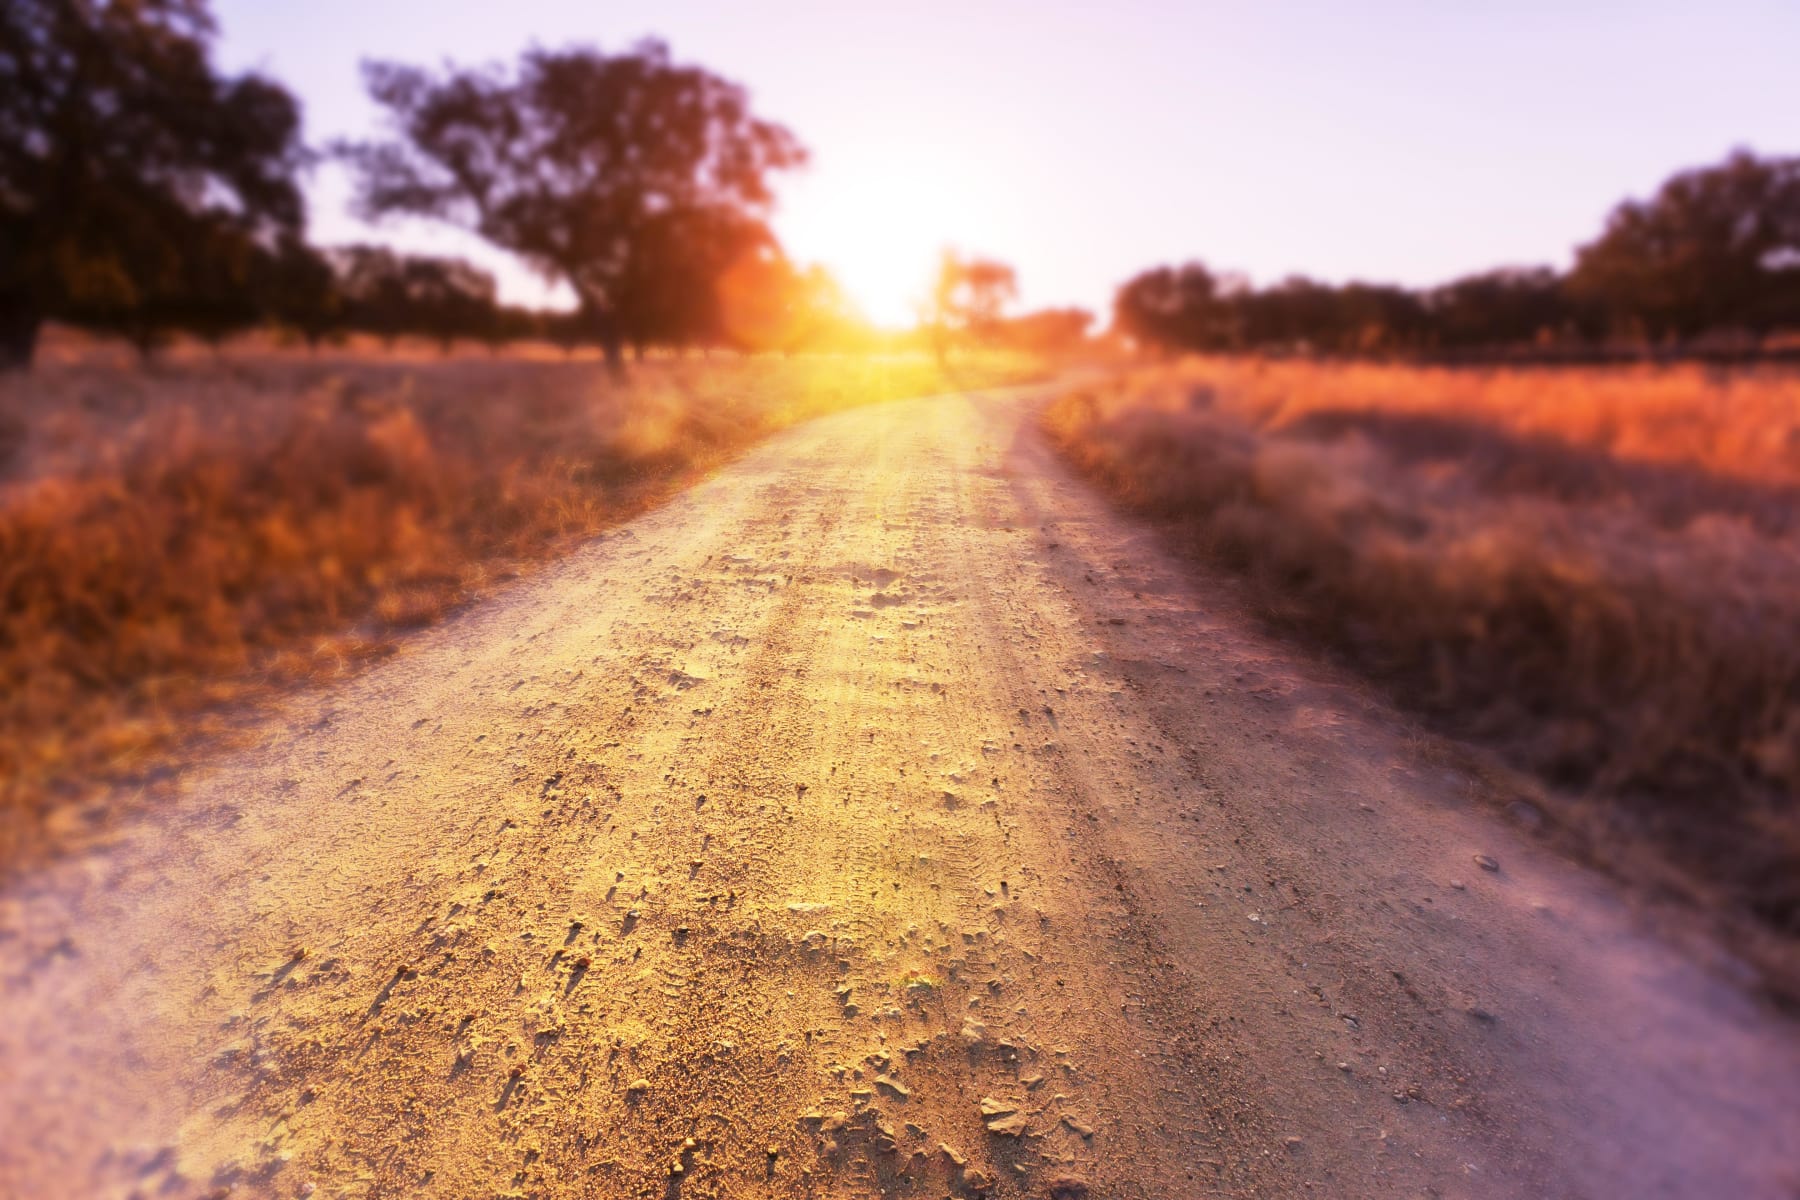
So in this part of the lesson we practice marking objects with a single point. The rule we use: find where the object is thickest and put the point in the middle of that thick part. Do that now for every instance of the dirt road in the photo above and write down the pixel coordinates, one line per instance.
(881, 817)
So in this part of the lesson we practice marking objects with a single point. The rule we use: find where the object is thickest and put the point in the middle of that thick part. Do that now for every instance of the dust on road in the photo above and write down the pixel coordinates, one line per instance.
(883, 817)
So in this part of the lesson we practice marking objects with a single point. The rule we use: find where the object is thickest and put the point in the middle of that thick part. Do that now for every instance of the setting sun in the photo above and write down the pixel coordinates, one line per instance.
(878, 222)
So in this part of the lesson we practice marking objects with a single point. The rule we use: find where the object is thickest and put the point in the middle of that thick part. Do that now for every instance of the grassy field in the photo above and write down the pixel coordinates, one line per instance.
(1596, 571)
(179, 540)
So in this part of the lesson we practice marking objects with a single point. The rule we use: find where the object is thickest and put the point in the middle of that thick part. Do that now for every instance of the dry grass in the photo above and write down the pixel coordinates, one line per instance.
(214, 528)
(1595, 570)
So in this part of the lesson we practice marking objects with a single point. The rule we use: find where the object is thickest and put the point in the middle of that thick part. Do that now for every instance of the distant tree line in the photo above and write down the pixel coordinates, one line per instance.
(1715, 253)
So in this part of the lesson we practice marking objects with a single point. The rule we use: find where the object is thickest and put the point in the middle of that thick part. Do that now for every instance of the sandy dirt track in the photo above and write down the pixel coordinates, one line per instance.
(882, 817)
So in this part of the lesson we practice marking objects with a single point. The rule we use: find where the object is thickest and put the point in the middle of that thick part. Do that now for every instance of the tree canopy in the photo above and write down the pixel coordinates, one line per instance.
(618, 175)
(1714, 247)
(968, 297)
(135, 180)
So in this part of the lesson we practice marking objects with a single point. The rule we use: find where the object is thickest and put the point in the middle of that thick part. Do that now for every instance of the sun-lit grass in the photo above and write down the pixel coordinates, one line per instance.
(207, 530)
(1596, 570)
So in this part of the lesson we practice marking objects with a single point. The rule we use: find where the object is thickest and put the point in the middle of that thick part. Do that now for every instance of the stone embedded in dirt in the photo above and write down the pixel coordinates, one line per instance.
(1012, 1126)
(1487, 862)
(892, 1086)
(1068, 1187)
(1002, 1116)
(977, 1180)
(949, 1152)
(637, 1087)
(974, 1032)
(1079, 1126)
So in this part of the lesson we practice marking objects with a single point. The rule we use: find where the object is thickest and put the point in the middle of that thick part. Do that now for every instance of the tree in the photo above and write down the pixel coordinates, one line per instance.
(125, 160)
(674, 291)
(296, 287)
(390, 294)
(580, 163)
(1176, 307)
(448, 298)
(1509, 306)
(767, 302)
(968, 298)
(1715, 247)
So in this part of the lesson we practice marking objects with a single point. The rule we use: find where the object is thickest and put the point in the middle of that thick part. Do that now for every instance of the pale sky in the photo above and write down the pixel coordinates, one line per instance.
(1394, 140)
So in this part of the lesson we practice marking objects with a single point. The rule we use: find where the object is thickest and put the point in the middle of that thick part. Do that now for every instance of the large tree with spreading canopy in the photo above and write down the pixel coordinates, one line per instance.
(605, 172)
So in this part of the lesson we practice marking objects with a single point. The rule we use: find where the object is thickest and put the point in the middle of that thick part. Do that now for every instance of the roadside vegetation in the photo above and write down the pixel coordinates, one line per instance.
(1594, 570)
(204, 533)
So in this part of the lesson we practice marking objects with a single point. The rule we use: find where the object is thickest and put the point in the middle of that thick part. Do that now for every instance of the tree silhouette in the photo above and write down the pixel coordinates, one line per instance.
(767, 302)
(125, 161)
(389, 294)
(1512, 305)
(585, 165)
(1716, 247)
(968, 297)
(671, 292)
(296, 287)
(1175, 307)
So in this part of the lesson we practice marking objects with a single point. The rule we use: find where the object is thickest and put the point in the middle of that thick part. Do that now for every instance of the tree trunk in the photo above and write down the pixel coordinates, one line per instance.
(600, 324)
(19, 326)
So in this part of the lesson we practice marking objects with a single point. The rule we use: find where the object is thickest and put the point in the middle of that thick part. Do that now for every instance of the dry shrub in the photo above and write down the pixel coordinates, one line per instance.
(175, 539)
(1595, 570)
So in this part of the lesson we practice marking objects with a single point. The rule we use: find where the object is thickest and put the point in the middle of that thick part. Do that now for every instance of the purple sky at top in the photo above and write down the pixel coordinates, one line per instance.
(1389, 140)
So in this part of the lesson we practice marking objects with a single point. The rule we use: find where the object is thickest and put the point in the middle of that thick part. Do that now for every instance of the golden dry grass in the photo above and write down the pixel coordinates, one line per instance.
(213, 528)
(1596, 570)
